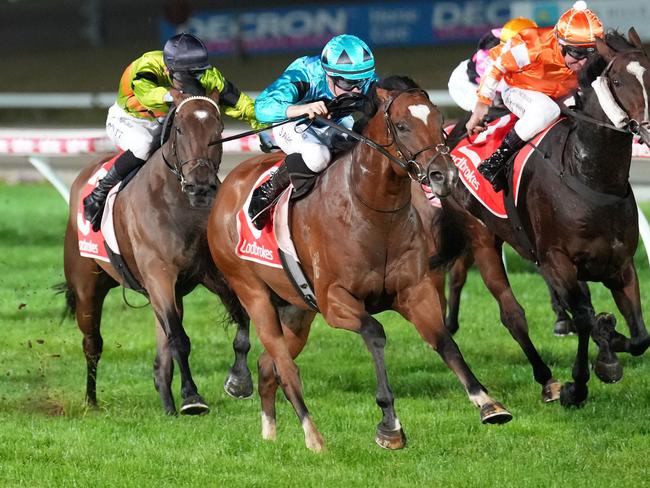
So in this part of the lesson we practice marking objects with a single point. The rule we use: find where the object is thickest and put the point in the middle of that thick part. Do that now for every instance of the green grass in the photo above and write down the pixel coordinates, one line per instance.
(49, 438)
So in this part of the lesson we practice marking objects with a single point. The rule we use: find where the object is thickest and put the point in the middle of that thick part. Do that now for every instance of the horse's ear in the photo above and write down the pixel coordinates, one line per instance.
(214, 95)
(604, 50)
(177, 96)
(634, 38)
(382, 94)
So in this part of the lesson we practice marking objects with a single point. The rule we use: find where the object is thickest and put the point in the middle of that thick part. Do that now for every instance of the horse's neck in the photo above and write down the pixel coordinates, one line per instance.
(600, 155)
(375, 182)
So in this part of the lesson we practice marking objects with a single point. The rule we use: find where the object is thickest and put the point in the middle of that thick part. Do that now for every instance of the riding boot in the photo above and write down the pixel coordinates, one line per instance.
(94, 202)
(264, 196)
(494, 168)
(302, 177)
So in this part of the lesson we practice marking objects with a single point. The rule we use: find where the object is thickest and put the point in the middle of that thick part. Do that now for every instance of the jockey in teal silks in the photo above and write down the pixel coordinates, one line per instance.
(346, 65)
(134, 122)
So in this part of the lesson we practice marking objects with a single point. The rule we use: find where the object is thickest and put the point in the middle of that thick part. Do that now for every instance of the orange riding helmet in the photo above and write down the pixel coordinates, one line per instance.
(513, 26)
(578, 26)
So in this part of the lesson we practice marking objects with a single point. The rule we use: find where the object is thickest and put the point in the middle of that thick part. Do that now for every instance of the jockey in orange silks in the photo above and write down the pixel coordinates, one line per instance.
(466, 77)
(538, 67)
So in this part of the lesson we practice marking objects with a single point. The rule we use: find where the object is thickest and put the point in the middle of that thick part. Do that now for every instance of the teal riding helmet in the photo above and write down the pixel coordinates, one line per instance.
(348, 57)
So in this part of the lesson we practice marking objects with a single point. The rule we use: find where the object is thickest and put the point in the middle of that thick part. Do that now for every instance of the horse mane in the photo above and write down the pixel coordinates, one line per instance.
(391, 83)
(595, 66)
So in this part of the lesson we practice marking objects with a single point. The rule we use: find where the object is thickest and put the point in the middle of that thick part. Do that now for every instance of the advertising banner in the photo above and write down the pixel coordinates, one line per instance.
(308, 28)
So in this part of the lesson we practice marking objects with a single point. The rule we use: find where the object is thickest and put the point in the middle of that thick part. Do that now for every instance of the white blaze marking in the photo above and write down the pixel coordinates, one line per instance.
(420, 111)
(637, 70)
(201, 114)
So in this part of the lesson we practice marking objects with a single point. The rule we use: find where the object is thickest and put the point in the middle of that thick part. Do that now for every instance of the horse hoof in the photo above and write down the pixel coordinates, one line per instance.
(495, 413)
(608, 372)
(564, 328)
(240, 388)
(551, 391)
(194, 405)
(390, 439)
(570, 398)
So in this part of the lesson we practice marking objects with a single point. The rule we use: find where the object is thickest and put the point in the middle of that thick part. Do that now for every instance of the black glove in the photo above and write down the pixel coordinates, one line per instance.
(187, 83)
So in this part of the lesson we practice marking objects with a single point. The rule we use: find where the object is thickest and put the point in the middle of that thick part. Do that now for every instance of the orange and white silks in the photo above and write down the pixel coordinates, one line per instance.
(531, 60)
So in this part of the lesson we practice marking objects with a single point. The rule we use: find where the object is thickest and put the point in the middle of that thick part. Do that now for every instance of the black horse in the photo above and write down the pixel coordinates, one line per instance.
(578, 218)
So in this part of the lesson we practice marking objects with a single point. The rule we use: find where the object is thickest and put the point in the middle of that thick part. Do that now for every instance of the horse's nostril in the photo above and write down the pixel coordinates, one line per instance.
(436, 177)
(190, 189)
(213, 188)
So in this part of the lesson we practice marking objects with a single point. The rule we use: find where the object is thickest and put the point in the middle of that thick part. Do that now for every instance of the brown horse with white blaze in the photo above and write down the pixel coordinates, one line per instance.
(160, 220)
(361, 243)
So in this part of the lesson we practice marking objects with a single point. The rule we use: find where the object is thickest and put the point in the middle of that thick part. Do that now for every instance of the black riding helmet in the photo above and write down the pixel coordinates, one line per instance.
(185, 52)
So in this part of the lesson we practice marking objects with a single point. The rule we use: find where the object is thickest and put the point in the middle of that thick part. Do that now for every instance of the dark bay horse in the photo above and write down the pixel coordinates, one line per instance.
(361, 244)
(578, 211)
(160, 221)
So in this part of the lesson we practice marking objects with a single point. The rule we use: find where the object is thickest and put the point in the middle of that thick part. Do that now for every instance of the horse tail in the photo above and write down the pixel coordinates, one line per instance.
(451, 240)
(70, 301)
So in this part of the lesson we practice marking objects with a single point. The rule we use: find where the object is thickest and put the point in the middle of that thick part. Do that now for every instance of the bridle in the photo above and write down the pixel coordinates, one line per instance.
(177, 167)
(610, 104)
(409, 164)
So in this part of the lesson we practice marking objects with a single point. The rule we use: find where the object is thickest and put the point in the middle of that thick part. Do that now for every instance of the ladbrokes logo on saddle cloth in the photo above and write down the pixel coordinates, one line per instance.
(468, 155)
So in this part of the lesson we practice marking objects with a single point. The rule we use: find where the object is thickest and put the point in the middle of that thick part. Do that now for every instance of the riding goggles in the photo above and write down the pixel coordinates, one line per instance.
(578, 52)
(349, 85)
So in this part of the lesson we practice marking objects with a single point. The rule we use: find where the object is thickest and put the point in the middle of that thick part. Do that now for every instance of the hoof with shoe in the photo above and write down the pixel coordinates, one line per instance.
(563, 328)
(495, 413)
(239, 387)
(551, 391)
(608, 372)
(194, 405)
(390, 439)
(569, 396)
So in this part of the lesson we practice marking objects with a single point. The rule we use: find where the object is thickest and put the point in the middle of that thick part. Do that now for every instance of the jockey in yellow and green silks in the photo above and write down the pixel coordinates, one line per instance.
(134, 121)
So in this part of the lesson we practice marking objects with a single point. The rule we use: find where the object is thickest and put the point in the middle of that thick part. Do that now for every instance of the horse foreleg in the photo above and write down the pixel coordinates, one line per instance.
(513, 317)
(344, 311)
(239, 382)
(625, 290)
(457, 280)
(169, 314)
(390, 434)
(163, 371)
(561, 274)
(412, 304)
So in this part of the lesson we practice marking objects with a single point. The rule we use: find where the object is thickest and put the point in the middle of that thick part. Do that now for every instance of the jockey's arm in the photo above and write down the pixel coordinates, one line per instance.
(148, 92)
(236, 103)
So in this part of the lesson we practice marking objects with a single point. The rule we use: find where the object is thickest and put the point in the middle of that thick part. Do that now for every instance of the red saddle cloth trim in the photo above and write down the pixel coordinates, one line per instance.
(469, 154)
(260, 246)
(91, 243)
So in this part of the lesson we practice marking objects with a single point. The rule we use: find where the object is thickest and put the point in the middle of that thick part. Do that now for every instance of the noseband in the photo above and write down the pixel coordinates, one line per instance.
(177, 167)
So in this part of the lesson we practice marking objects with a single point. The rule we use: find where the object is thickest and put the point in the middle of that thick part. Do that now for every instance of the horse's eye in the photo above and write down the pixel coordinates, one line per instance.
(402, 127)
(616, 82)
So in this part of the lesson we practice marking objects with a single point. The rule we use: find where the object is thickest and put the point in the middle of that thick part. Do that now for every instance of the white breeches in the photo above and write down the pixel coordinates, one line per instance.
(535, 110)
(292, 139)
(461, 89)
(132, 133)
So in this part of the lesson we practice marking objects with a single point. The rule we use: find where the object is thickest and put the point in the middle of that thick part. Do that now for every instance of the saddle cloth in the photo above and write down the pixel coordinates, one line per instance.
(469, 153)
(91, 243)
(261, 246)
